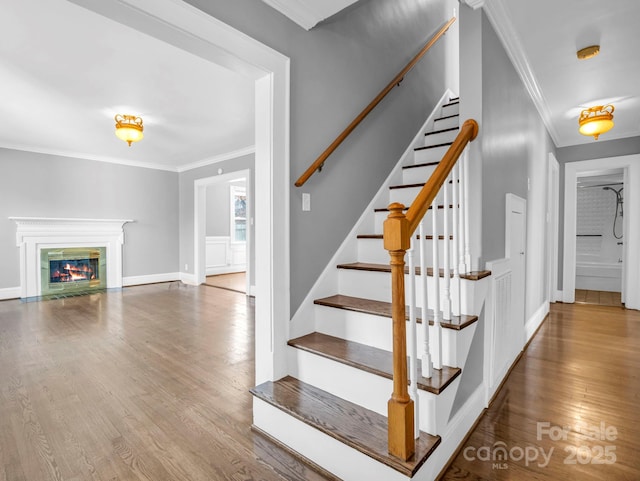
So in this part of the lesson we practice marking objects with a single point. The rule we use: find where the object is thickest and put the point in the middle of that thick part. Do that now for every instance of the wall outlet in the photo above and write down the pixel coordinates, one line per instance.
(306, 202)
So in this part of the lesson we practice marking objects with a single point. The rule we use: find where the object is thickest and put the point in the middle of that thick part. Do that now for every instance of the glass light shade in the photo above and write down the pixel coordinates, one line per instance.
(596, 120)
(129, 128)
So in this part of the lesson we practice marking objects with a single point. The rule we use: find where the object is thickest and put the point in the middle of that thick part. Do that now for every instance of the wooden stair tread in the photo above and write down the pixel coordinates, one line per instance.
(425, 147)
(368, 266)
(381, 308)
(381, 236)
(424, 164)
(441, 131)
(452, 102)
(370, 359)
(386, 209)
(446, 117)
(353, 425)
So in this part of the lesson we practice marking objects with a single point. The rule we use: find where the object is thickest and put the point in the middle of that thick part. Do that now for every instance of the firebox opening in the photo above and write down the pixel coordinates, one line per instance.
(74, 270)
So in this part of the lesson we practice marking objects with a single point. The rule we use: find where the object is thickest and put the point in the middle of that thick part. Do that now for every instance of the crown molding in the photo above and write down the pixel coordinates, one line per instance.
(218, 158)
(499, 18)
(475, 4)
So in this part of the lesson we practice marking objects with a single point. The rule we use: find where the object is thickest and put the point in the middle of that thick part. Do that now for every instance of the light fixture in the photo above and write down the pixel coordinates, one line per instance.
(129, 128)
(588, 52)
(596, 120)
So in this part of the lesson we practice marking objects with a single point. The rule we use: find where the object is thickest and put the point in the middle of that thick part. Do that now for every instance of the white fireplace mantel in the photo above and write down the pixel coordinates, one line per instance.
(36, 233)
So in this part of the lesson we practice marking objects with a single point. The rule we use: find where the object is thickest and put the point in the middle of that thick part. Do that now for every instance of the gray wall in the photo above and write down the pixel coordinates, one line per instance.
(187, 202)
(515, 149)
(218, 218)
(337, 68)
(41, 185)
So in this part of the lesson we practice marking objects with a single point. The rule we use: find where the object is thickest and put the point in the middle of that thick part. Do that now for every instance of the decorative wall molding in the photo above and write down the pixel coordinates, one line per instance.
(497, 13)
(475, 4)
(223, 256)
(36, 233)
(308, 13)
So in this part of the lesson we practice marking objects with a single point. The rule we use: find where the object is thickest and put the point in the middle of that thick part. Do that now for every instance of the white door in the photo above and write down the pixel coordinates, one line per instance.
(515, 242)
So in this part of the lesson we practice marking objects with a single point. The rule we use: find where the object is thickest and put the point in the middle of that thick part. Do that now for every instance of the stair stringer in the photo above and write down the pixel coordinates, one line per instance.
(303, 321)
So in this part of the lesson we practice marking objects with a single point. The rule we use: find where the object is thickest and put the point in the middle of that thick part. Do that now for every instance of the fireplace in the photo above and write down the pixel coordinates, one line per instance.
(72, 270)
(92, 248)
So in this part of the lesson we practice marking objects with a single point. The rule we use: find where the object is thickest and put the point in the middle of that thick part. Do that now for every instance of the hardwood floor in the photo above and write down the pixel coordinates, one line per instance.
(149, 383)
(234, 282)
(601, 298)
(574, 394)
(152, 383)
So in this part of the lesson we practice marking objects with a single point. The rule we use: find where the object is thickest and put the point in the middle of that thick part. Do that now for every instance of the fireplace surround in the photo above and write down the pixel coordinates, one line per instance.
(77, 239)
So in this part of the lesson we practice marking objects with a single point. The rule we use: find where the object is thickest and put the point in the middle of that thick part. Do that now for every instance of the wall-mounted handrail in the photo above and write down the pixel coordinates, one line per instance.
(398, 231)
(319, 162)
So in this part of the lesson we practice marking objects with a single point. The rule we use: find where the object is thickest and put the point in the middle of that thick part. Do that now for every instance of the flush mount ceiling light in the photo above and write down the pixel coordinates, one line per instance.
(596, 120)
(588, 52)
(129, 128)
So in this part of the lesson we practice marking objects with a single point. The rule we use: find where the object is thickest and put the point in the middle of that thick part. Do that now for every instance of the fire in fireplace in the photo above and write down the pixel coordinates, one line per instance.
(72, 270)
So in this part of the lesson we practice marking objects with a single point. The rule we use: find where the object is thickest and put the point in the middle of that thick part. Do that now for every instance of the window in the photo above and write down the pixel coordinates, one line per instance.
(238, 214)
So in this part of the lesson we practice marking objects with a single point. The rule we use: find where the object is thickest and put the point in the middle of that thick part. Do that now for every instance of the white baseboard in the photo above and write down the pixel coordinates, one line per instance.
(150, 279)
(9, 293)
(533, 323)
(231, 269)
(559, 294)
(188, 278)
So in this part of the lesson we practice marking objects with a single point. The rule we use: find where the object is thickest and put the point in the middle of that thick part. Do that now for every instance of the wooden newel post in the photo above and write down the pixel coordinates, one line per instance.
(400, 407)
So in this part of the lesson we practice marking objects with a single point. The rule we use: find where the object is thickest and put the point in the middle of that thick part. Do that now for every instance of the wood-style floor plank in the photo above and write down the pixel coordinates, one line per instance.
(148, 383)
(580, 370)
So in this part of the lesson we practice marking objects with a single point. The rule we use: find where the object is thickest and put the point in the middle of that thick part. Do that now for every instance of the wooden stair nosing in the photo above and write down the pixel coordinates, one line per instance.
(368, 266)
(452, 102)
(383, 309)
(425, 147)
(446, 117)
(355, 426)
(369, 359)
(424, 164)
(381, 236)
(441, 131)
(386, 209)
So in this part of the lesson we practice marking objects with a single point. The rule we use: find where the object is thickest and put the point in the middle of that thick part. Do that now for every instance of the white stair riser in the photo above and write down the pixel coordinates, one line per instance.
(336, 457)
(375, 331)
(372, 251)
(377, 286)
(404, 195)
(432, 154)
(380, 217)
(441, 137)
(365, 389)
(450, 109)
(416, 175)
(446, 123)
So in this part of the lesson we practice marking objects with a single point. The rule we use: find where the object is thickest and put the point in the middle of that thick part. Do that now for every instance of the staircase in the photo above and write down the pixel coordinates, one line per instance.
(332, 408)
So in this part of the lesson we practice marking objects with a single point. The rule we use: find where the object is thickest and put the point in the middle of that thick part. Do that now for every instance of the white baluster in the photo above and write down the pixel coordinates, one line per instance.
(467, 253)
(457, 309)
(413, 341)
(437, 358)
(463, 208)
(446, 289)
(427, 365)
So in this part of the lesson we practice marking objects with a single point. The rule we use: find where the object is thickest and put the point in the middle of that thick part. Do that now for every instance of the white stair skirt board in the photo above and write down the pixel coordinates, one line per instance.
(36, 233)
(334, 456)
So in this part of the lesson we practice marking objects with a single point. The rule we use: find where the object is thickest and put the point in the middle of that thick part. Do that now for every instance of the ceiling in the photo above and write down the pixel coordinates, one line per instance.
(67, 71)
(542, 38)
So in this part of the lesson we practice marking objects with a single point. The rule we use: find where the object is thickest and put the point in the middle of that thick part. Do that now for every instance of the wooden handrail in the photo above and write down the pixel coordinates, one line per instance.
(423, 200)
(319, 162)
(398, 229)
